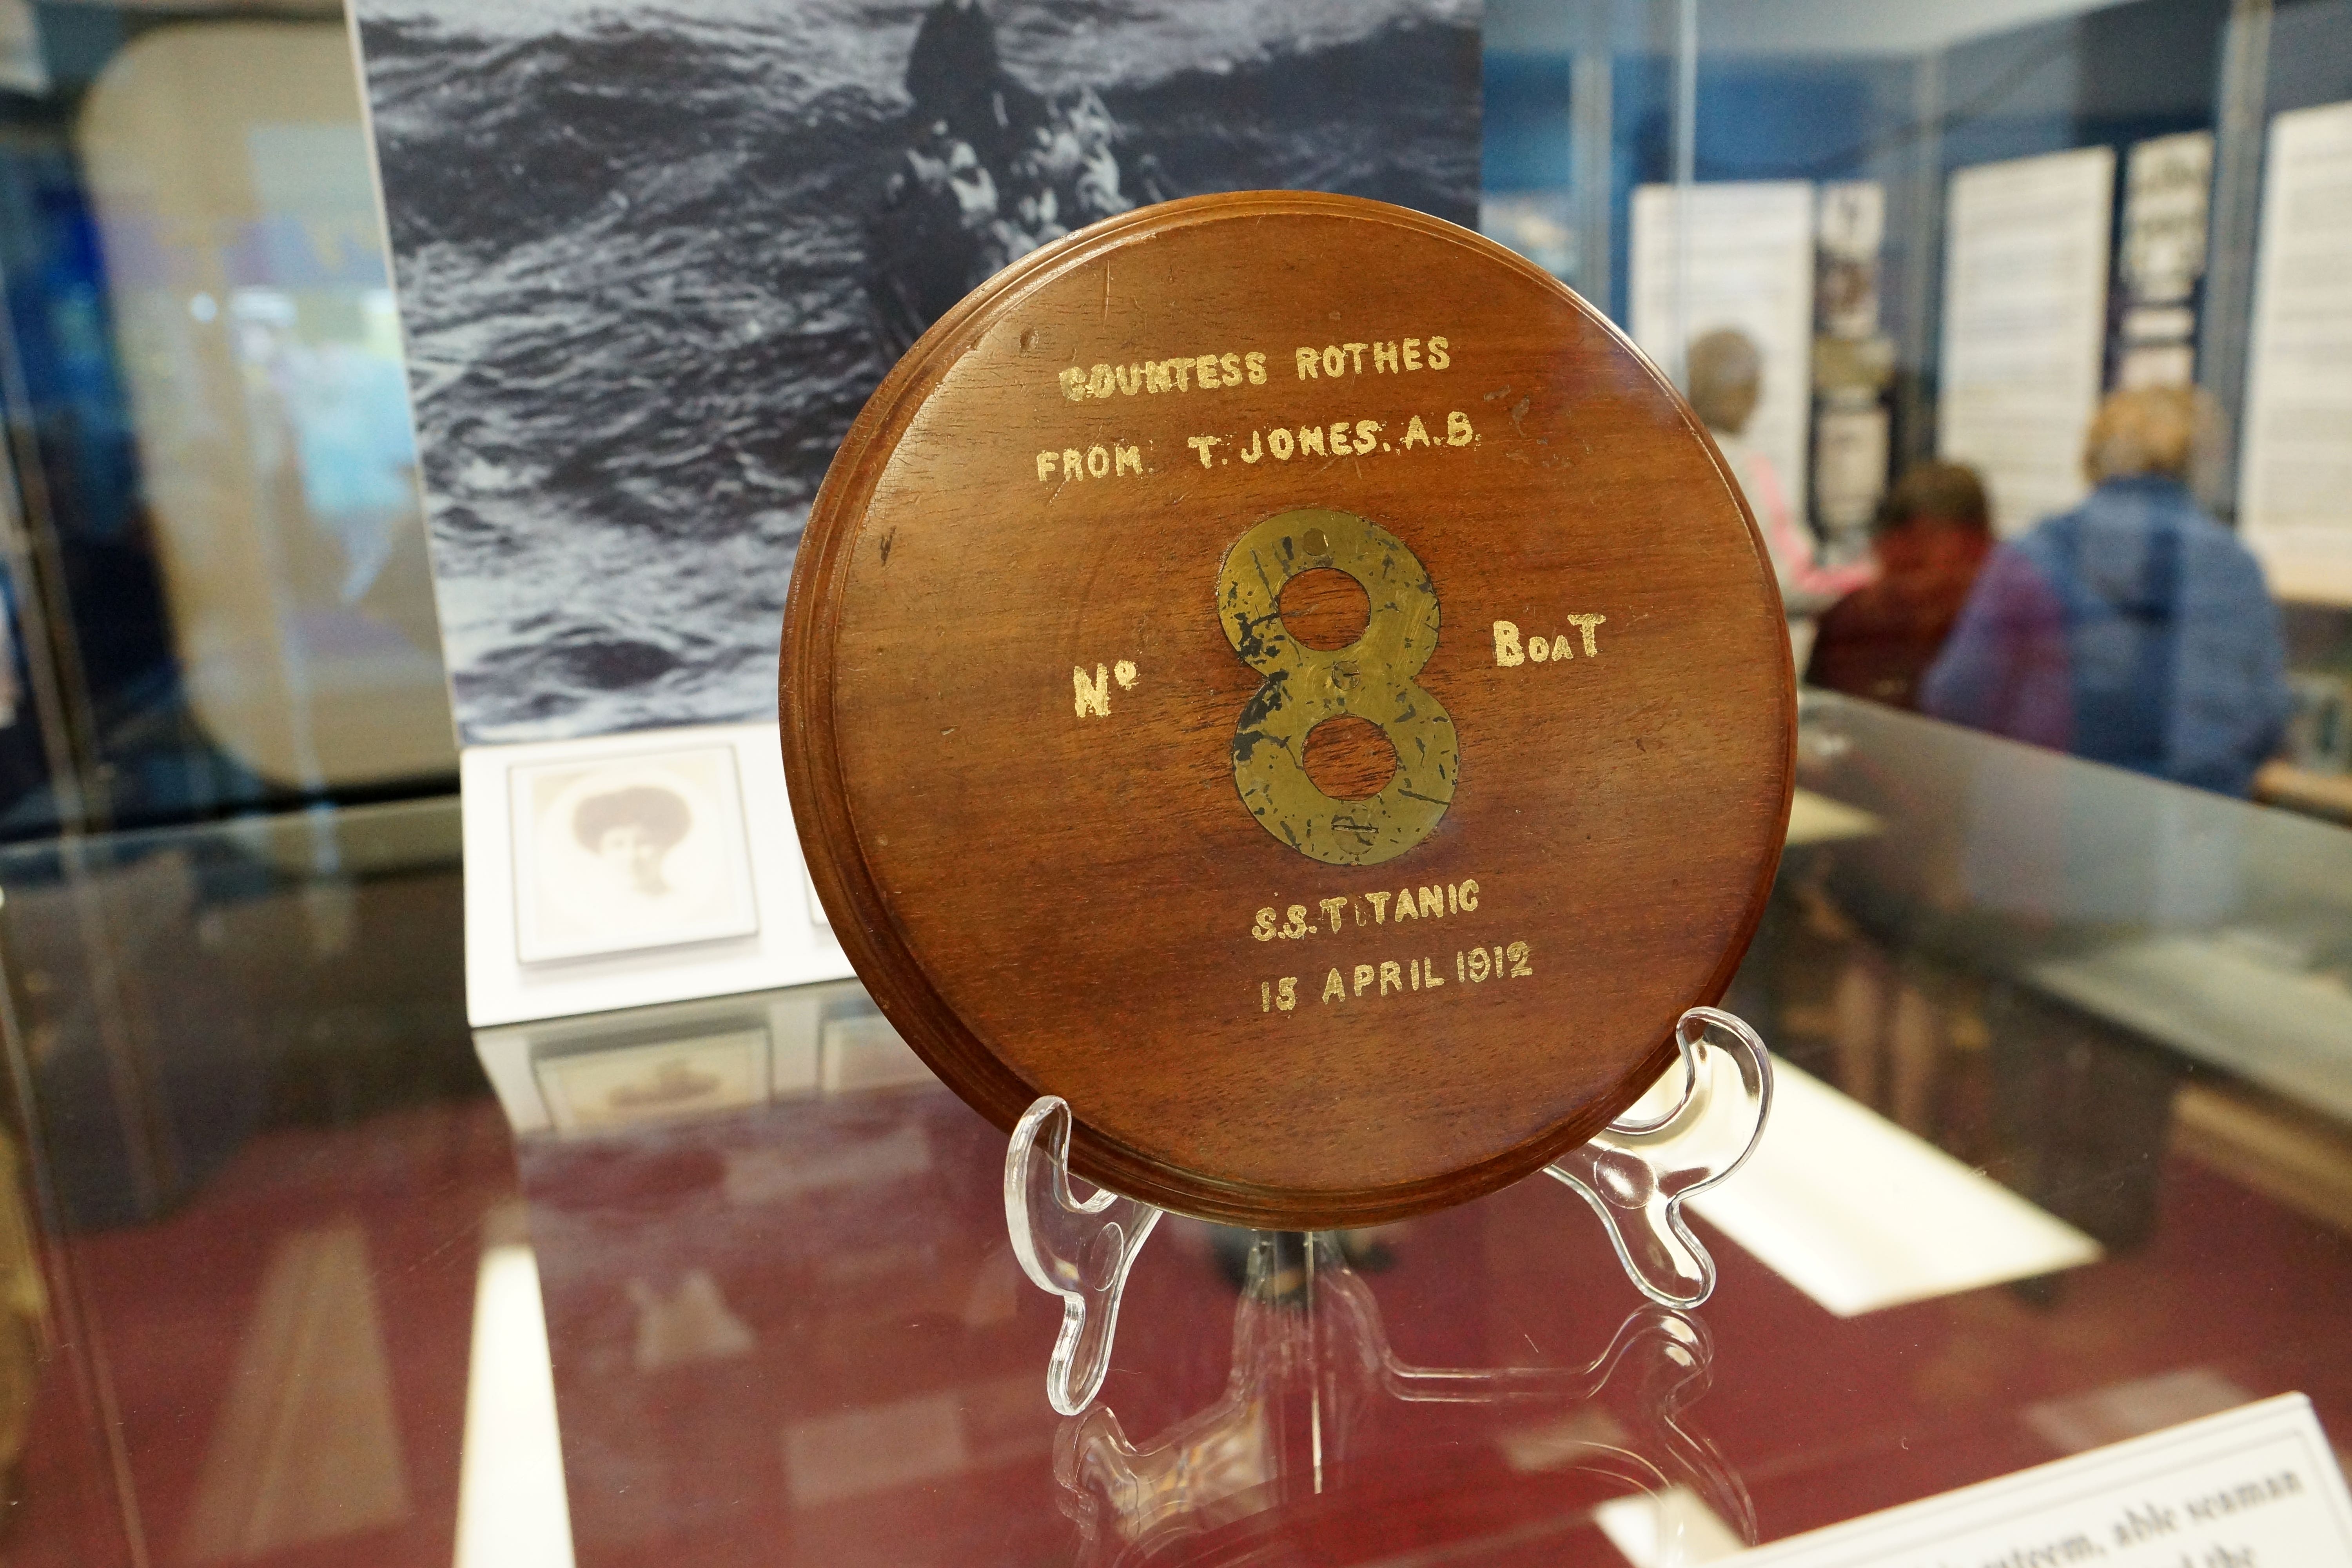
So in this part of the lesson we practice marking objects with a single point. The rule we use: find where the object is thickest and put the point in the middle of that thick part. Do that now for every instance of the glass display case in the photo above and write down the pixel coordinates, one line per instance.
(297, 1267)
(2064, 1158)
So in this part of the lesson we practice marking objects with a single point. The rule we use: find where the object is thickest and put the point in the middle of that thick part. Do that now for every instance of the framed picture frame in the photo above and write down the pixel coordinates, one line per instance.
(623, 854)
(630, 870)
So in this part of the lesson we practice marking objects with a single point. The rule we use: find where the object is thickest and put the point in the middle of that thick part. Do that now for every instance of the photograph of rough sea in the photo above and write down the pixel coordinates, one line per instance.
(651, 262)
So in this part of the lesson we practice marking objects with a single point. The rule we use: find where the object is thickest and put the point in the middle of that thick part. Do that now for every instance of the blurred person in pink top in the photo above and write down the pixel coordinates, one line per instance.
(1726, 372)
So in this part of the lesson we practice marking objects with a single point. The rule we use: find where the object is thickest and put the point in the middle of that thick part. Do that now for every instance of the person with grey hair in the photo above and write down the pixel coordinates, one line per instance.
(2134, 629)
(1726, 372)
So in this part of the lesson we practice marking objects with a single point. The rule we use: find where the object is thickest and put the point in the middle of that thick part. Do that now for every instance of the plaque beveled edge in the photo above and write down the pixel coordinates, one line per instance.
(845, 884)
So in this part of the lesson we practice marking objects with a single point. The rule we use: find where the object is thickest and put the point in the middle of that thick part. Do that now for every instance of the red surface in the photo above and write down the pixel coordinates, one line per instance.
(860, 1293)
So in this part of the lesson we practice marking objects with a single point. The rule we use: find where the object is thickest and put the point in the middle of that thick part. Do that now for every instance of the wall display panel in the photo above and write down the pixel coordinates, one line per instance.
(2168, 185)
(2296, 472)
(1748, 265)
(2025, 292)
(650, 262)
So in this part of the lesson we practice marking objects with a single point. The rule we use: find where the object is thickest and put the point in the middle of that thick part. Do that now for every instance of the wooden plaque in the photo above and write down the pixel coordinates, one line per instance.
(1282, 673)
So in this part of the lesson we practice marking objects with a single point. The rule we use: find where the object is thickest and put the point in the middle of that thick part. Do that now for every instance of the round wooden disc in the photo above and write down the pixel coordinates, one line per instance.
(1283, 674)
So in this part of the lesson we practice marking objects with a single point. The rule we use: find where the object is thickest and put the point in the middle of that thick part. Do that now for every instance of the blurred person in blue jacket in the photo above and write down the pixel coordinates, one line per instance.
(2132, 630)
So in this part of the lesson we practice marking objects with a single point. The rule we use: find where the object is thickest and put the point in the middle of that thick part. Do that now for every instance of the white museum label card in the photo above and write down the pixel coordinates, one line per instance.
(1919, 1224)
(2025, 326)
(2296, 476)
(2252, 1488)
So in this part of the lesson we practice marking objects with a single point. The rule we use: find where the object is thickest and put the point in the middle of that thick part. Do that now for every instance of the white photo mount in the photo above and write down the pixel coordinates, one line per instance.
(1693, 1128)
(625, 871)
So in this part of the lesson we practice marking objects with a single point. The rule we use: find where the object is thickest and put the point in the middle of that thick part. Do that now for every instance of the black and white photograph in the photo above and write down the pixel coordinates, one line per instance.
(651, 262)
(624, 856)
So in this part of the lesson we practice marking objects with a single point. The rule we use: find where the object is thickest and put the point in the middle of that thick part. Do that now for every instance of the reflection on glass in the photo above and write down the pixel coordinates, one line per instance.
(1316, 1399)
(2034, 960)
(229, 179)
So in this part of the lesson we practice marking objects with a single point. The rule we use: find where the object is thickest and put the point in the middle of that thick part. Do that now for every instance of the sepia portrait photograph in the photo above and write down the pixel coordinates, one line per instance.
(622, 856)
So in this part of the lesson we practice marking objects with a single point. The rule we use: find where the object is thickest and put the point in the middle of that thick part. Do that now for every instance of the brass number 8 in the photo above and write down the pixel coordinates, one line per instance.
(1371, 679)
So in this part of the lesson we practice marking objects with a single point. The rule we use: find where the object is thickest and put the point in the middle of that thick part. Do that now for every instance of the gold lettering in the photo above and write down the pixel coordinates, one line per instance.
(1392, 976)
(1046, 465)
(1074, 463)
(1469, 895)
(1404, 905)
(1204, 372)
(1365, 430)
(1183, 369)
(1413, 973)
(1334, 986)
(1285, 992)
(1519, 966)
(1356, 352)
(1124, 673)
(1129, 457)
(1363, 977)
(1156, 377)
(1506, 645)
(1384, 357)
(1433, 901)
(1278, 442)
(1093, 697)
(1332, 909)
(1586, 624)
(1101, 382)
(1429, 968)
(1481, 966)
(1539, 649)
(1457, 424)
(1074, 385)
(1335, 361)
(1229, 370)
(1294, 926)
(1097, 462)
(1131, 379)
(1438, 358)
(1413, 354)
(1254, 452)
(1380, 903)
(1257, 368)
(1415, 434)
(1310, 364)
(1310, 439)
(1339, 448)
(1201, 444)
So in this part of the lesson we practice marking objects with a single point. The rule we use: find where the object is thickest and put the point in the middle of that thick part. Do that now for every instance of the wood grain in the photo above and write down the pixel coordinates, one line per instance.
(1010, 709)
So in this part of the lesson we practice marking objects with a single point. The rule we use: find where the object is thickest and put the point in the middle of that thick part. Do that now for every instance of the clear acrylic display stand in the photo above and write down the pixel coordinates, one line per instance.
(1320, 1421)
(1690, 1131)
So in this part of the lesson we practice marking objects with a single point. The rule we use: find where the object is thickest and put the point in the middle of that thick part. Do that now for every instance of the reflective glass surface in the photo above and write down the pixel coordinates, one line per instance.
(330, 1278)
(296, 1268)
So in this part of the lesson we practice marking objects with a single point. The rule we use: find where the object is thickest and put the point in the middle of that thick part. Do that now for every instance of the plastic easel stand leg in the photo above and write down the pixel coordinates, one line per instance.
(1636, 1174)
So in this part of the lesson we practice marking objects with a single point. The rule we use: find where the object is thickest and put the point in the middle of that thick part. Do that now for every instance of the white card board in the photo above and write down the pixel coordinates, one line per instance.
(1861, 1214)
(2252, 1488)
(1749, 265)
(2025, 324)
(625, 871)
(2295, 495)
